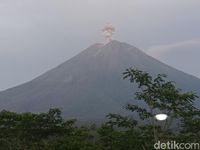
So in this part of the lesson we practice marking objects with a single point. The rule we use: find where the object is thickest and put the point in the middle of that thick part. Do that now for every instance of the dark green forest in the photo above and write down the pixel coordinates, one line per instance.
(50, 131)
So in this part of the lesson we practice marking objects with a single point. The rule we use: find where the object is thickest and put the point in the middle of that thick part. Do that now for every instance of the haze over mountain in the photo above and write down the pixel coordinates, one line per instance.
(90, 85)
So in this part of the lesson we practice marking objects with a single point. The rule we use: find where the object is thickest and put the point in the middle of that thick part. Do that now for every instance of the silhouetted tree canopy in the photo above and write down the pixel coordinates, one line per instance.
(50, 131)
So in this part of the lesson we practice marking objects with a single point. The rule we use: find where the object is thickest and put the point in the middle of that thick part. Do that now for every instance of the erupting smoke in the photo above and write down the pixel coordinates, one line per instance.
(108, 32)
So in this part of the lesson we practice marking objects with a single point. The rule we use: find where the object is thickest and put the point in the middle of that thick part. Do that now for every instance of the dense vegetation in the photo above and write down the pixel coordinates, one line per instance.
(49, 131)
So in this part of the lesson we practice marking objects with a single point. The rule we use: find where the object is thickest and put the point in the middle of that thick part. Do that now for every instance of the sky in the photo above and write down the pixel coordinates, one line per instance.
(37, 35)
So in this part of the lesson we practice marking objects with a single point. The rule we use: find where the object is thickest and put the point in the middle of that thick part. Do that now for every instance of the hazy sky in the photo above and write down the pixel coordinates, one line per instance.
(37, 35)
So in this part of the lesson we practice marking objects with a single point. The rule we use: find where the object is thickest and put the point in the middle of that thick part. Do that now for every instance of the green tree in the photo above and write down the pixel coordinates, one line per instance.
(157, 95)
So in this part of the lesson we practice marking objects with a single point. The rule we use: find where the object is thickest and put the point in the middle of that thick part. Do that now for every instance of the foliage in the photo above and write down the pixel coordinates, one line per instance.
(49, 131)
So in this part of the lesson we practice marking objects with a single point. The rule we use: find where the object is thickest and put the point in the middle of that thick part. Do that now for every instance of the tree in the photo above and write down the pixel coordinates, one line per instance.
(156, 94)
(49, 131)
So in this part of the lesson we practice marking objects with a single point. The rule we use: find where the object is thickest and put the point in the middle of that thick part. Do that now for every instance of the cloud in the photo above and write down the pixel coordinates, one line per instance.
(181, 55)
(160, 50)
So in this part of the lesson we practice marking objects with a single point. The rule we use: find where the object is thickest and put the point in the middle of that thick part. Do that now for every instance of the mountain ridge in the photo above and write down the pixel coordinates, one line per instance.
(90, 84)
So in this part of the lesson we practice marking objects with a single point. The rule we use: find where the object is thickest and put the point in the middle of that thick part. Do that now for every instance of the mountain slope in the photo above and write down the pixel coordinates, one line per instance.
(90, 85)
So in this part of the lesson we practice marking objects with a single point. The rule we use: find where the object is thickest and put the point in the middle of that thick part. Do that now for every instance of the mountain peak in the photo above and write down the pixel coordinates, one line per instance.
(114, 43)
(90, 85)
(111, 43)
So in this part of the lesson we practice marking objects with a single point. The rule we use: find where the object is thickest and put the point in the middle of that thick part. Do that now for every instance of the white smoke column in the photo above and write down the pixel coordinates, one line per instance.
(108, 32)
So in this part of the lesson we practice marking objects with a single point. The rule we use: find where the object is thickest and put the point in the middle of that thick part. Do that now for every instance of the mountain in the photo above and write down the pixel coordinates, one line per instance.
(90, 85)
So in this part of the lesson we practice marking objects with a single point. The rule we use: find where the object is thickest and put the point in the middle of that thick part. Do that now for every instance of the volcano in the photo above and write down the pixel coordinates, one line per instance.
(90, 85)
